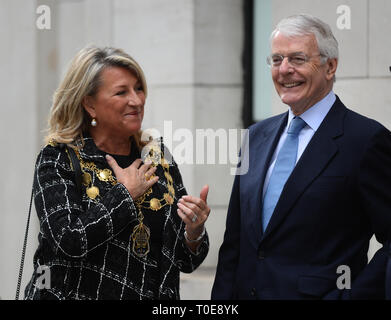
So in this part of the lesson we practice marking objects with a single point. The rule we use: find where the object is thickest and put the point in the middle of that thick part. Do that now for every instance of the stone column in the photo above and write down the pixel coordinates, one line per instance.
(18, 134)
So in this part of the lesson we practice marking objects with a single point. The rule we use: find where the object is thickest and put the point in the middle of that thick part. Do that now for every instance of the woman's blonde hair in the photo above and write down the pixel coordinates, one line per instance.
(68, 118)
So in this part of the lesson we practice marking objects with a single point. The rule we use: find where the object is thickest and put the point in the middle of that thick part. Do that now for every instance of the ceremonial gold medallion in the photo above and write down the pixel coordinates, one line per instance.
(140, 237)
(104, 175)
(86, 179)
(92, 192)
(155, 204)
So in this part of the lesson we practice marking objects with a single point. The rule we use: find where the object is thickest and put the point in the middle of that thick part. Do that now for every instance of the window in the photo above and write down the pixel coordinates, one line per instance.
(257, 79)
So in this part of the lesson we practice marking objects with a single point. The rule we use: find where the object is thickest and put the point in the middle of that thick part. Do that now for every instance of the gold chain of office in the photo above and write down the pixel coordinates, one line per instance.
(141, 233)
(106, 175)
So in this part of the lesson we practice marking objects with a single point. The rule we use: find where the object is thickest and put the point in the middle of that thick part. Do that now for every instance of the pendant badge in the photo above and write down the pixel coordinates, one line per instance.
(140, 237)
(92, 192)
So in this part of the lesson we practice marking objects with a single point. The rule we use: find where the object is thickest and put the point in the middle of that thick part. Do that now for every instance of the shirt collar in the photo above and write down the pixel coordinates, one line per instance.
(315, 115)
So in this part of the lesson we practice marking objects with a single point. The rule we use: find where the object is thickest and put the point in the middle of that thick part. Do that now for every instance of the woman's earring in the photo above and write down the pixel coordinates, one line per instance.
(94, 123)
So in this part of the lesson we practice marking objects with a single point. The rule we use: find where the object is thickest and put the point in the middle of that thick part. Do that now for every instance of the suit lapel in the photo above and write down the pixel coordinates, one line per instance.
(261, 150)
(319, 152)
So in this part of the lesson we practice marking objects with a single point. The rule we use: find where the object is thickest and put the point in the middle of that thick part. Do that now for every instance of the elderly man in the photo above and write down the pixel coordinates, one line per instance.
(318, 186)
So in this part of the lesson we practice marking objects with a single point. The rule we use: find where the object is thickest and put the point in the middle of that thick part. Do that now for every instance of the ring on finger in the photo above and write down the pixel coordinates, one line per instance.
(148, 177)
(194, 218)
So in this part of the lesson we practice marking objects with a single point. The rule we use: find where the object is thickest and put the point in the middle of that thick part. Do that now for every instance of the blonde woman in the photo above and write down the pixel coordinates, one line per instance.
(131, 229)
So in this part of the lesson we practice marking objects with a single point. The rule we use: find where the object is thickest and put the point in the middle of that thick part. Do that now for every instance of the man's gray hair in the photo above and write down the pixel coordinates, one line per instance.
(304, 24)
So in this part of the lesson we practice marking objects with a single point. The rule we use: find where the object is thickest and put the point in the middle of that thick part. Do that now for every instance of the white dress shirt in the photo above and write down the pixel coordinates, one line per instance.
(313, 118)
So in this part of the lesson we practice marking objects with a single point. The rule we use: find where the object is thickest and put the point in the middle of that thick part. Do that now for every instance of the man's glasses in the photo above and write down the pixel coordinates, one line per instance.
(295, 60)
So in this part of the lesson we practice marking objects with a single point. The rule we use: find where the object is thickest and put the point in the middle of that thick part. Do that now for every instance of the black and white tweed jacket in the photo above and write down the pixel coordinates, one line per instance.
(87, 244)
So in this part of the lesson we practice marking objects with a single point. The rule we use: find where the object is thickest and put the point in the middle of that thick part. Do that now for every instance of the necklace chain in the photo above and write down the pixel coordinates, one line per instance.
(141, 233)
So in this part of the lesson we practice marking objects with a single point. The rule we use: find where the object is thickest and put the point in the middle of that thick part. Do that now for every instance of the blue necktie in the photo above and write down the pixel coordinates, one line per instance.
(286, 161)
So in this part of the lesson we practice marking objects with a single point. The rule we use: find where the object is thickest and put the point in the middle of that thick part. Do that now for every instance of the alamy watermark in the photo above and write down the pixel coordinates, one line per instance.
(344, 20)
(44, 19)
(206, 146)
(44, 280)
(344, 281)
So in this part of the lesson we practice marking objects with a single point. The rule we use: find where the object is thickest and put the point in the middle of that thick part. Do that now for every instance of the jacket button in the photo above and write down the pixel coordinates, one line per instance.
(261, 254)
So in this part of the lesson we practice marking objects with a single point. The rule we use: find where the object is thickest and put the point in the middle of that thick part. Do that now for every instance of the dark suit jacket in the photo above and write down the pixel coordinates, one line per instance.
(337, 197)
